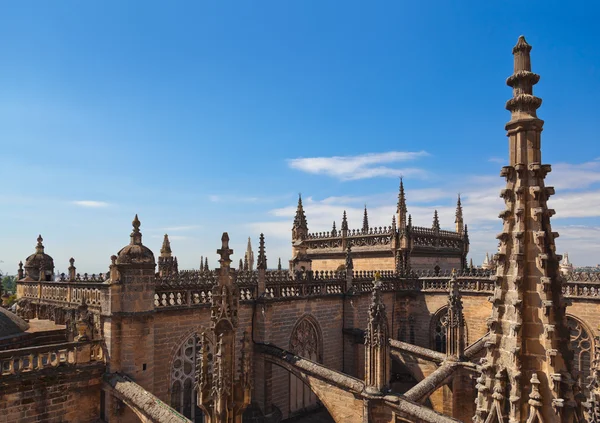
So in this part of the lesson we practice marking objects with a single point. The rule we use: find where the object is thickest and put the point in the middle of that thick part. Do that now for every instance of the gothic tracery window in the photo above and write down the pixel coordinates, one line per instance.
(305, 342)
(183, 393)
(438, 330)
(581, 344)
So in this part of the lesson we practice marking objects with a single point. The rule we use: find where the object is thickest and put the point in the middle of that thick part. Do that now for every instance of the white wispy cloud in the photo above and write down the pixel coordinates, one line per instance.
(231, 198)
(90, 203)
(497, 160)
(363, 166)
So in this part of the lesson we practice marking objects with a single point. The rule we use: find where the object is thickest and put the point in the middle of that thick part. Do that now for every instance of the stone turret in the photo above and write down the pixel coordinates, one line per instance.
(39, 266)
(526, 374)
(129, 315)
(566, 268)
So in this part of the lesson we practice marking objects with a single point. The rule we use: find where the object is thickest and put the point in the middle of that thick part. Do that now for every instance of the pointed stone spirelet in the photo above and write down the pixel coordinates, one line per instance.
(529, 337)
(458, 219)
(165, 251)
(365, 226)
(279, 264)
(436, 221)
(344, 222)
(262, 255)
(300, 218)
(401, 208)
(241, 265)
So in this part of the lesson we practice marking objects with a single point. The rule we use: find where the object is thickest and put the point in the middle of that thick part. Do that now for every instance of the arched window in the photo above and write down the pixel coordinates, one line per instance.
(305, 342)
(183, 393)
(581, 344)
(439, 330)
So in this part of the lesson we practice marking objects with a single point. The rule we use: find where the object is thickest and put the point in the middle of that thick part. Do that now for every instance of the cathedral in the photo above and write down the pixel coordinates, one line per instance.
(381, 325)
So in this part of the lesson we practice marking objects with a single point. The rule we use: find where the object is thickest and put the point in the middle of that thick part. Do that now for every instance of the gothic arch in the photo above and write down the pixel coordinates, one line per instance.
(438, 330)
(182, 372)
(305, 341)
(582, 344)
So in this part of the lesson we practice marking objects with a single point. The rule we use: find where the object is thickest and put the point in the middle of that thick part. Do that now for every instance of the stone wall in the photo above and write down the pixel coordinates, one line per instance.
(66, 394)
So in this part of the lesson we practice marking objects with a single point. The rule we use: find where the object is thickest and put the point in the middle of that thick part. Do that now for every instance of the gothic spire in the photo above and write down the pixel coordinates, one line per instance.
(262, 256)
(206, 264)
(401, 208)
(365, 227)
(300, 219)
(458, 220)
(279, 264)
(165, 251)
(333, 230)
(436, 221)
(344, 222)
(250, 255)
(530, 338)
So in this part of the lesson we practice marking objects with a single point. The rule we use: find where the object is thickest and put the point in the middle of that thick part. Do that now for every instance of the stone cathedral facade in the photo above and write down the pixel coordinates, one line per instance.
(149, 342)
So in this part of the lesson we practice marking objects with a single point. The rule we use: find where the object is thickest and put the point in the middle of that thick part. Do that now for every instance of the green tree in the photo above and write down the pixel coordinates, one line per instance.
(9, 283)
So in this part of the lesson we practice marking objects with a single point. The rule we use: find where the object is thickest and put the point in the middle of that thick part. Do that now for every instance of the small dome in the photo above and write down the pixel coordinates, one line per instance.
(39, 260)
(135, 252)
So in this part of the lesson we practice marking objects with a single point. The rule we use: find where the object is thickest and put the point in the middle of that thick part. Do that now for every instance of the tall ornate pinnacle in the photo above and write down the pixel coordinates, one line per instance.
(39, 248)
(333, 230)
(262, 256)
(206, 264)
(377, 359)
(436, 221)
(529, 341)
(165, 251)
(279, 264)
(455, 326)
(401, 208)
(300, 219)
(365, 226)
(136, 235)
(409, 221)
(458, 220)
(344, 222)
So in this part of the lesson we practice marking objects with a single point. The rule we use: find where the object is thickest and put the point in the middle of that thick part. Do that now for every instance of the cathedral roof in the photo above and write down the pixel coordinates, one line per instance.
(11, 324)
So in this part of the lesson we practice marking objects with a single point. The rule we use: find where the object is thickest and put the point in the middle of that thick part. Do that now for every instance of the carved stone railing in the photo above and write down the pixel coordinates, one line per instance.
(466, 284)
(584, 290)
(32, 359)
(68, 294)
(305, 289)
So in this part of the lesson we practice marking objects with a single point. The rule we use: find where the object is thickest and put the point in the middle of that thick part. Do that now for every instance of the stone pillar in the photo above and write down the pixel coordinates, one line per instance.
(377, 350)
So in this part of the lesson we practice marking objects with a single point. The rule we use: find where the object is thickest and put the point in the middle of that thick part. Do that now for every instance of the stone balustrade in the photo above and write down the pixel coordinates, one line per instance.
(27, 360)
(69, 294)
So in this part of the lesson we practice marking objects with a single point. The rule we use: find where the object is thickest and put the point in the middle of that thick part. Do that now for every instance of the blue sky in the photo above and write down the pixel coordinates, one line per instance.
(204, 117)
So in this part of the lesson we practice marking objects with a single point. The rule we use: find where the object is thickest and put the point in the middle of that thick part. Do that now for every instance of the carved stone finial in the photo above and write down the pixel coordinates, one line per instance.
(279, 264)
(349, 261)
(365, 226)
(39, 248)
(344, 222)
(225, 252)
(136, 235)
